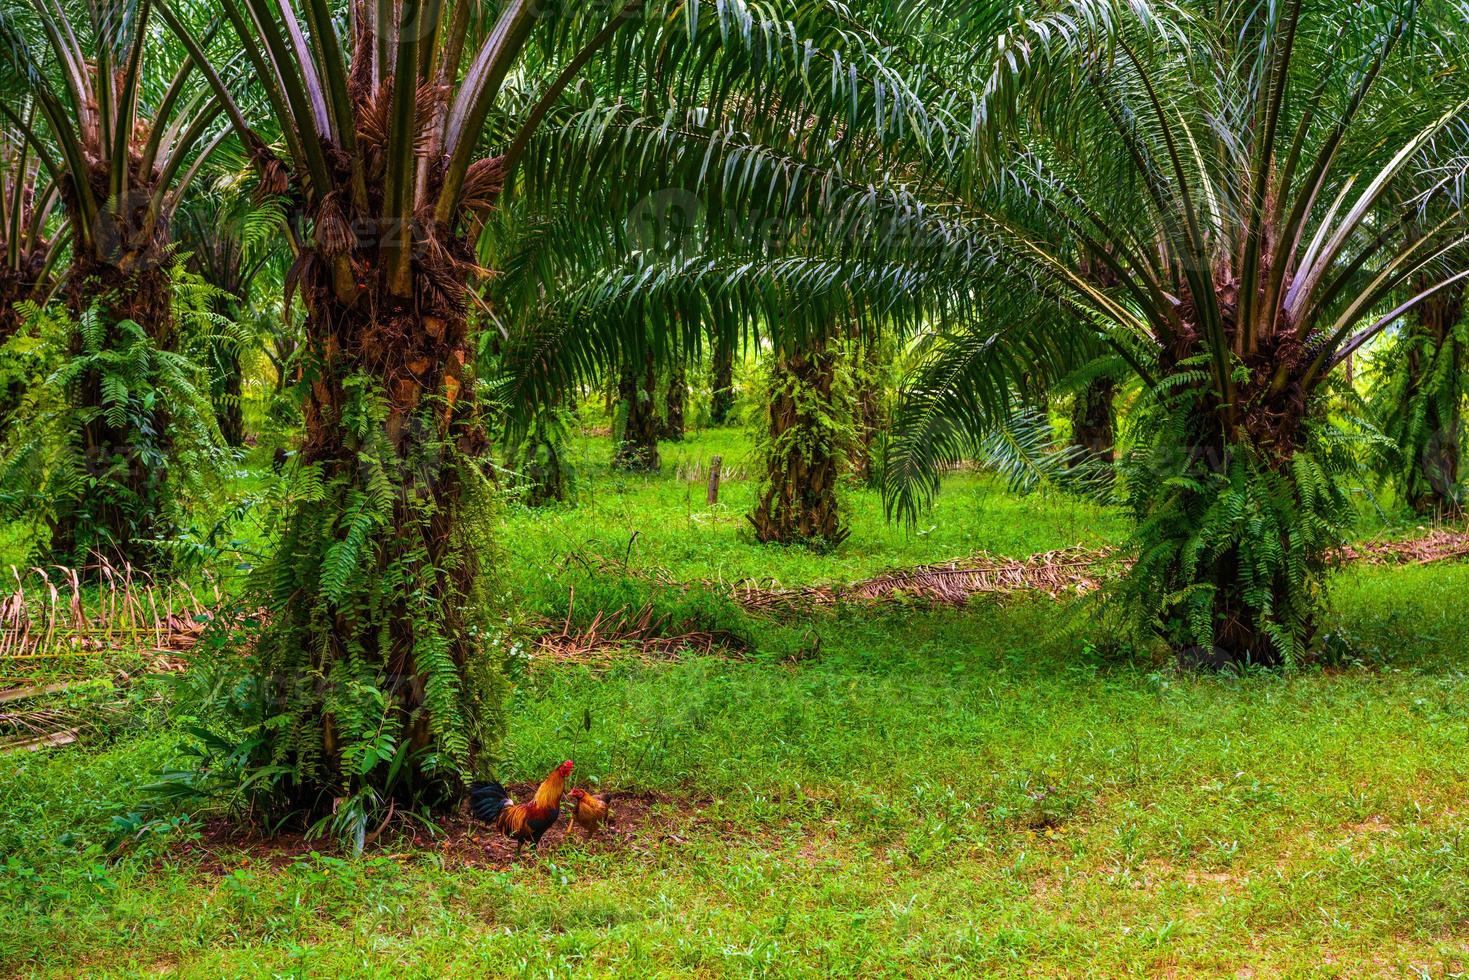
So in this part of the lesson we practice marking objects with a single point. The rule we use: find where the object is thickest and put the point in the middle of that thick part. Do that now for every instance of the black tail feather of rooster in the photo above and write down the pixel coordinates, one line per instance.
(488, 800)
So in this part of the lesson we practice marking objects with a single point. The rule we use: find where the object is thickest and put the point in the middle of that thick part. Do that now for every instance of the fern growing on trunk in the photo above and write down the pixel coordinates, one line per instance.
(85, 458)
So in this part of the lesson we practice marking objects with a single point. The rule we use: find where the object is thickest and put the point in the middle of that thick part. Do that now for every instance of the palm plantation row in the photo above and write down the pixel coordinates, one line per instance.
(447, 222)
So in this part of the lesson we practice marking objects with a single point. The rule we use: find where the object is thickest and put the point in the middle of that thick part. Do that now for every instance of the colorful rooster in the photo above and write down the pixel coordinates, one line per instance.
(521, 821)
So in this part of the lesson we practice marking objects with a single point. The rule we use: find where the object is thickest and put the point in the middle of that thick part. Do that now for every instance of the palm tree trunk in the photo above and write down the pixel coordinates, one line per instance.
(1436, 376)
(1092, 425)
(537, 457)
(722, 401)
(798, 503)
(676, 404)
(637, 438)
(379, 571)
(125, 509)
(1239, 544)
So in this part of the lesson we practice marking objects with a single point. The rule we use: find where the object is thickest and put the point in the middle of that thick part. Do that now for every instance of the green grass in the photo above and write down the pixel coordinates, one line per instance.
(940, 792)
(677, 531)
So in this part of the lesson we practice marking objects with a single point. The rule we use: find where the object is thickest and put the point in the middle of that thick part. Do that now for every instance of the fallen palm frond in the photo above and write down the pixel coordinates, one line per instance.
(53, 740)
(43, 716)
(1439, 544)
(62, 621)
(640, 634)
(1070, 571)
(1066, 572)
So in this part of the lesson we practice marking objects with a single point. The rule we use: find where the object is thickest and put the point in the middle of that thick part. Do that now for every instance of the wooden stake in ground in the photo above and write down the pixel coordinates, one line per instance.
(714, 465)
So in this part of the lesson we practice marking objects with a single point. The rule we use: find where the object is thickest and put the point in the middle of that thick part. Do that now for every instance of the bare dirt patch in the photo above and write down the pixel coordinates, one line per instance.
(641, 821)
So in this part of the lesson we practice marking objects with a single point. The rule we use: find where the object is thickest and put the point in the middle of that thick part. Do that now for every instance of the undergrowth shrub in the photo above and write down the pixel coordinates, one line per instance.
(128, 498)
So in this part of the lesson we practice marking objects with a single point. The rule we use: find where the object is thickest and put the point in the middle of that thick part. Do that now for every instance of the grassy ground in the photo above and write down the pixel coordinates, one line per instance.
(937, 793)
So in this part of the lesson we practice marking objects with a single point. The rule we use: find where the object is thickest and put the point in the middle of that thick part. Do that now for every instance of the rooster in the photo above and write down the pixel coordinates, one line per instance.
(588, 812)
(521, 822)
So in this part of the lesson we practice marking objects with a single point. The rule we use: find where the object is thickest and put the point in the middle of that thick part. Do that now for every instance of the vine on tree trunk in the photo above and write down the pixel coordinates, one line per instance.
(807, 435)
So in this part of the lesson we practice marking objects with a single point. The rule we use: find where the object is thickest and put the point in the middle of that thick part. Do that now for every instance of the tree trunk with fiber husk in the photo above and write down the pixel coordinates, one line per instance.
(637, 435)
(676, 404)
(721, 402)
(378, 574)
(1093, 422)
(1252, 591)
(1435, 376)
(1092, 418)
(803, 457)
(119, 273)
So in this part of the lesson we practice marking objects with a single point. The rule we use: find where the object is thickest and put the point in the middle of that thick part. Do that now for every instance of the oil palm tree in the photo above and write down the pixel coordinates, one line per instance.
(1236, 171)
(401, 125)
(1207, 195)
(1420, 378)
(122, 132)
